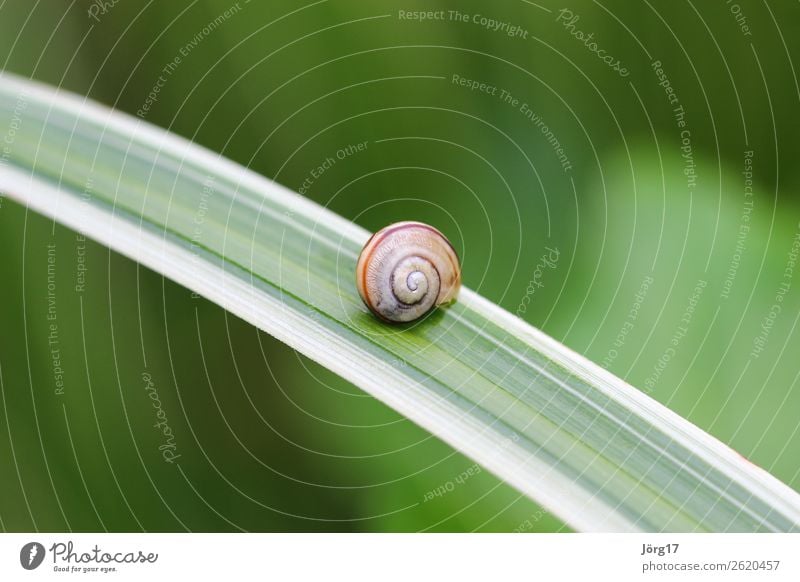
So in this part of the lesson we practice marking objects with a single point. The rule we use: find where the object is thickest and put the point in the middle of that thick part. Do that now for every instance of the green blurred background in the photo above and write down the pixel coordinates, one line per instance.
(271, 442)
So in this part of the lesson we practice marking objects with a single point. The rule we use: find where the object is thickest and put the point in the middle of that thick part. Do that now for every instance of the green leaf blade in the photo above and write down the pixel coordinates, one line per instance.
(595, 451)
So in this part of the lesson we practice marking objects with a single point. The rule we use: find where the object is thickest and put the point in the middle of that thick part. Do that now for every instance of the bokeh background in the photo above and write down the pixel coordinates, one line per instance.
(674, 243)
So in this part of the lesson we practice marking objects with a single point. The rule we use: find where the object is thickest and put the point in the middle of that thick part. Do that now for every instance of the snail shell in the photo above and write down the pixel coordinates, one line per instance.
(407, 269)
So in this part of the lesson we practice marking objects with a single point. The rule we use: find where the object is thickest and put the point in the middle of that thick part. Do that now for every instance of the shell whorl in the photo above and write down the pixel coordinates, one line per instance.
(407, 269)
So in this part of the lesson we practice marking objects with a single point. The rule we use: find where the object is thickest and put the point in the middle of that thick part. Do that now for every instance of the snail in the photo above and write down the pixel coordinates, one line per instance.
(407, 269)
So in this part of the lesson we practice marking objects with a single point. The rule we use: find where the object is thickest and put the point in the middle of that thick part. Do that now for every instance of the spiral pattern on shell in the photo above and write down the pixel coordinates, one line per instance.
(407, 269)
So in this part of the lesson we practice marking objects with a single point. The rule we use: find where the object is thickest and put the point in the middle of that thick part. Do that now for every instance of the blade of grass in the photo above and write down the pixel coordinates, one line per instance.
(592, 449)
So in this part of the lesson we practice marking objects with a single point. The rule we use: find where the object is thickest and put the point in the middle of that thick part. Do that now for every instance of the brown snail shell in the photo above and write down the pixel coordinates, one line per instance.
(407, 269)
